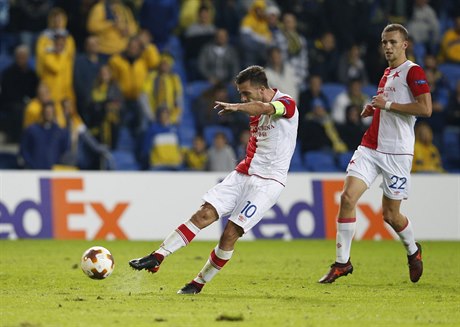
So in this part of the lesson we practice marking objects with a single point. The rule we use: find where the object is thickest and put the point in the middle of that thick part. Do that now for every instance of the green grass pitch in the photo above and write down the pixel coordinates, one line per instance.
(267, 283)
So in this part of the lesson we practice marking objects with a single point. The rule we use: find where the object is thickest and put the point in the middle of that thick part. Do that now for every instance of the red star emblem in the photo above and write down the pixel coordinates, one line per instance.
(396, 74)
(352, 162)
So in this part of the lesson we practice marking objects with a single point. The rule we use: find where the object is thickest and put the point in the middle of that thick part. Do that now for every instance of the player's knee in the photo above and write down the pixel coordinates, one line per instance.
(205, 216)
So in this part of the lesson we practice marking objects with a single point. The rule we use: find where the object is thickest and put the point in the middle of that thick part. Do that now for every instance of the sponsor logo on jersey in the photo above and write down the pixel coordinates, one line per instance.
(420, 82)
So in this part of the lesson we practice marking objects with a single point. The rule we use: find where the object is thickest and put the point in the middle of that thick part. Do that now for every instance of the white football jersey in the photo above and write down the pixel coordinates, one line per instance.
(391, 132)
(272, 142)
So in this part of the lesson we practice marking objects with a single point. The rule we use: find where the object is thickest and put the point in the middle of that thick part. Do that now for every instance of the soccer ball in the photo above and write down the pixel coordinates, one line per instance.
(97, 262)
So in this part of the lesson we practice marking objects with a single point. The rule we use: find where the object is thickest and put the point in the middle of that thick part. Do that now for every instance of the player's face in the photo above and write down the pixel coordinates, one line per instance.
(249, 92)
(394, 46)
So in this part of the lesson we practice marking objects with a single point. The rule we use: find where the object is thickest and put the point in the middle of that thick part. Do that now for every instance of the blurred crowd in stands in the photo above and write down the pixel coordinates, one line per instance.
(131, 84)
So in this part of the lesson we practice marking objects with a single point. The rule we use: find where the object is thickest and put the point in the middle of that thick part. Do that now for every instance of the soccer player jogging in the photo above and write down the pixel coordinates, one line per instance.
(386, 148)
(250, 190)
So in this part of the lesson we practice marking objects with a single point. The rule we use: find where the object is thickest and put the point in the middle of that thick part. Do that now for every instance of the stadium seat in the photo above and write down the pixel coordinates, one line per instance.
(452, 73)
(445, 19)
(419, 53)
(332, 90)
(179, 69)
(32, 62)
(125, 141)
(186, 132)
(450, 149)
(5, 61)
(8, 160)
(344, 159)
(174, 47)
(167, 168)
(187, 112)
(320, 161)
(370, 90)
(210, 131)
(451, 143)
(124, 160)
(297, 161)
(195, 89)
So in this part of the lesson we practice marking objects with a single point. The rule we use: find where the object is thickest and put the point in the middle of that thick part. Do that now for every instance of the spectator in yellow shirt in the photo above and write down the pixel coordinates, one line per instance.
(131, 67)
(65, 114)
(105, 105)
(450, 43)
(33, 110)
(113, 23)
(57, 24)
(255, 34)
(426, 155)
(164, 89)
(188, 10)
(196, 157)
(130, 70)
(161, 147)
(57, 72)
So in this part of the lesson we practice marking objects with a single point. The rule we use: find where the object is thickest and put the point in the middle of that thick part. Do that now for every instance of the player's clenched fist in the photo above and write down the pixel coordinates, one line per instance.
(378, 101)
(368, 110)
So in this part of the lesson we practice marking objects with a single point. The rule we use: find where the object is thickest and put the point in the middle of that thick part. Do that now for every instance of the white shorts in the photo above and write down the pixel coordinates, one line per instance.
(366, 164)
(246, 198)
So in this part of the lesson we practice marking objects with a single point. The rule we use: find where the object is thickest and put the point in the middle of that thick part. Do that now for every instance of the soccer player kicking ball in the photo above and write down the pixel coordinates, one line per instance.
(249, 191)
(387, 148)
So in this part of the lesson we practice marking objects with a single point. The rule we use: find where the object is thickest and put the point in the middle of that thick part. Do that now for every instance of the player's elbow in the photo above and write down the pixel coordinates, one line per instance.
(427, 111)
(265, 108)
(425, 106)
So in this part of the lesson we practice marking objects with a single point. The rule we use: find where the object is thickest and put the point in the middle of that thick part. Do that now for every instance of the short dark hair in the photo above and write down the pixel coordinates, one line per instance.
(254, 74)
(397, 28)
(203, 8)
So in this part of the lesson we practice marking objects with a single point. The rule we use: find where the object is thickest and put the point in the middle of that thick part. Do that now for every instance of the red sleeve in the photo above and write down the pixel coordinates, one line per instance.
(289, 104)
(417, 82)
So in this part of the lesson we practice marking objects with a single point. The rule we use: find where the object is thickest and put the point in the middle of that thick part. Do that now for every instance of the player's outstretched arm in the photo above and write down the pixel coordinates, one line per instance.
(251, 108)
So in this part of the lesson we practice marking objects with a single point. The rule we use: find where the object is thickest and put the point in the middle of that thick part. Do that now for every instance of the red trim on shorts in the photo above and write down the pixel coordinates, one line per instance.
(346, 220)
(217, 262)
(394, 154)
(186, 234)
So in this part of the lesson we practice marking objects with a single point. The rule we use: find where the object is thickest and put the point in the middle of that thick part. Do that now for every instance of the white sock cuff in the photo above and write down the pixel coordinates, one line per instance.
(346, 226)
(221, 254)
(195, 230)
(407, 227)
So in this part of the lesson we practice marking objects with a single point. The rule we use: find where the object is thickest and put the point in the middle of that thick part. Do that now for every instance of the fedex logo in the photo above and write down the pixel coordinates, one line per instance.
(321, 214)
(54, 210)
